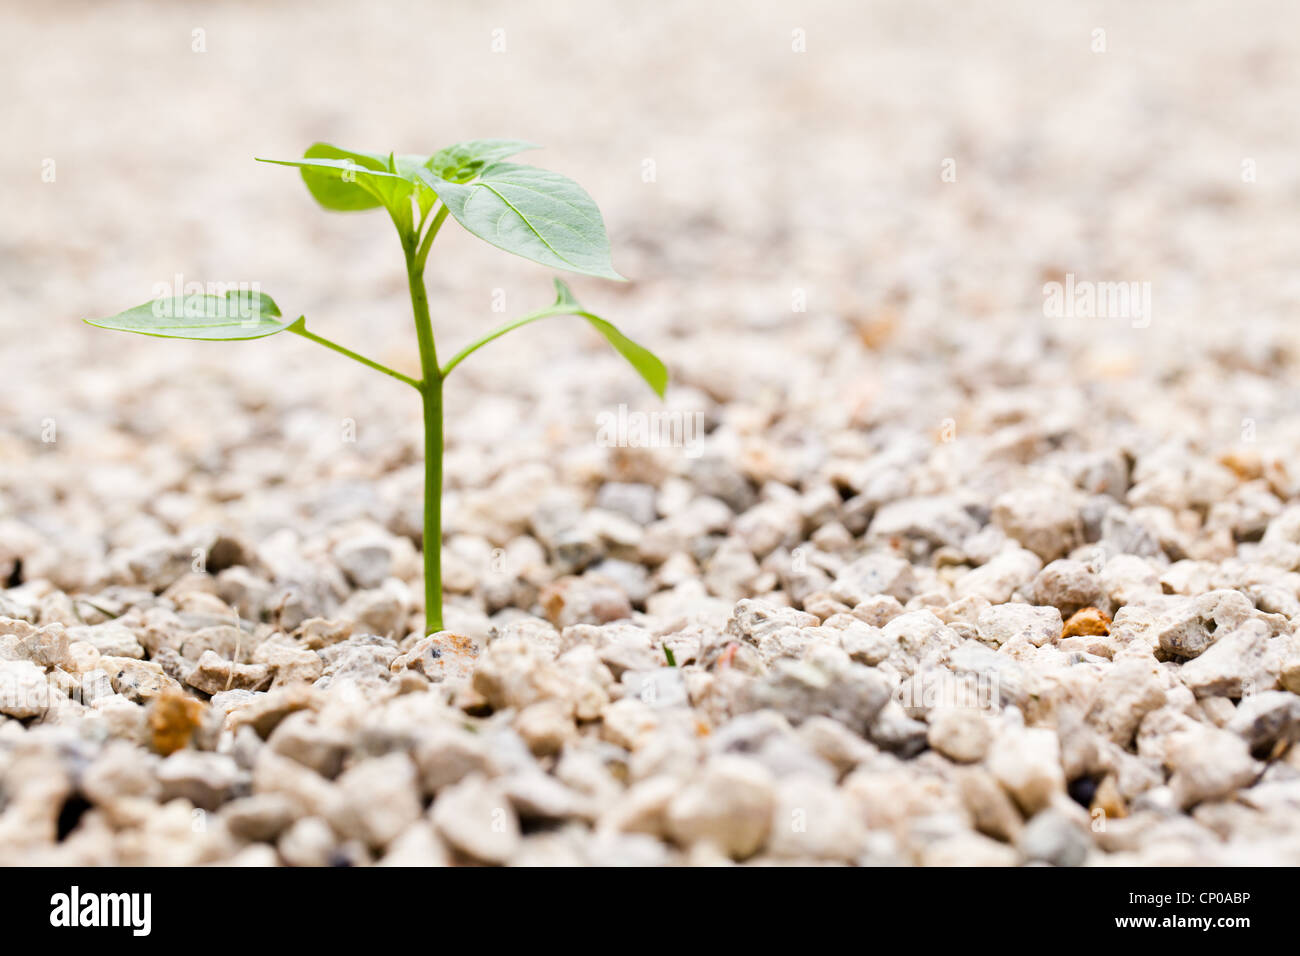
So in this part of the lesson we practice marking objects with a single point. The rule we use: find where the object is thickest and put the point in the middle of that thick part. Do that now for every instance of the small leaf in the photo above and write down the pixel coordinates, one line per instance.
(237, 315)
(346, 180)
(463, 161)
(564, 297)
(533, 213)
(669, 656)
(640, 358)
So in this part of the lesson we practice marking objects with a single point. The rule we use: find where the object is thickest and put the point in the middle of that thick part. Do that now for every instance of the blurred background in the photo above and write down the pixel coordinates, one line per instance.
(838, 219)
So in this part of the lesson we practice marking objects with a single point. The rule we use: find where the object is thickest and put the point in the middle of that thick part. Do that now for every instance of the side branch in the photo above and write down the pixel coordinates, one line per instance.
(300, 328)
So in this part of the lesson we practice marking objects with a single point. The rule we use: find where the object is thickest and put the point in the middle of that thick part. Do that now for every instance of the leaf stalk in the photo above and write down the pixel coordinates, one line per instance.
(300, 328)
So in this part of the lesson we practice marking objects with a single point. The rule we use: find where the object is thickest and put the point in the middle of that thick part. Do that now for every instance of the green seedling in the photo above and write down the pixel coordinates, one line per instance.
(531, 212)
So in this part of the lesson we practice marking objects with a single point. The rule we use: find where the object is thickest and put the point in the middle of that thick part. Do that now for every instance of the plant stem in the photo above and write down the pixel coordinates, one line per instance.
(433, 506)
(431, 393)
(423, 252)
(496, 333)
(298, 328)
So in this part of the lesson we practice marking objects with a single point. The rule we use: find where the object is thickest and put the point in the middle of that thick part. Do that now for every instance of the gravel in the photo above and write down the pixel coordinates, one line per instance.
(945, 579)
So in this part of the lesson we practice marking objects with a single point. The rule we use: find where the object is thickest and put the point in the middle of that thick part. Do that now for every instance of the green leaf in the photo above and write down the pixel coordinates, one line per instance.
(647, 364)
(533, 213)
(407, 167)
(237, 315)
(463, 161)
(639, 357)
(346, 180)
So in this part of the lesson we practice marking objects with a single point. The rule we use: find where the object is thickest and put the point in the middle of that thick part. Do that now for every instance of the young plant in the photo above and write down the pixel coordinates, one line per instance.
(530, 212)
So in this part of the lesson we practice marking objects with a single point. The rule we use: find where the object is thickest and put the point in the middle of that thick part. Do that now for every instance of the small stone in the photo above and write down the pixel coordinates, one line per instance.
(288, 663)
(367, 560)
(1208, 764)
(546, 726)
(961, 734)
(1127, 692)
(642, 808)
(825, 683)
(813, 821)
(1001, 578)
(1086, 622)
(246, 591)
(873, 576)
(834, 743)
(1005, 623)
(302, 738)
(121, 773)
(771, 524)
(24, 691)
(635, 501)
(363, 662)
(581, 600)
(991, 808)
(513, 673)
(1290, 674)
(214, 674)
(1070, 586)
(619, 647)
(261, 817)
(1190, 626)
(539, 796)
(1266, 718)
(206, 780)
(1054, 838)
(985, 678)
(447, 754)
(45, 646)
(753, 620)
(138, 681)
(309, 792)
(225, 640)
(263, 712)
(1242, 661)
(317, 633)
(173, 718)
(730, 804)
(477, 818)
(110, 639)
(1108, 800)
(663, 687)
(309, 842)
(968, 850)
(1044, 520)
(417, 845)
(632, 578)
(380, 799)
(627, 723)
(439, 657)
(731, 571)
(379, 611)
(934, 522)
(1027, 762)
(893, 730)
(878, 611)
